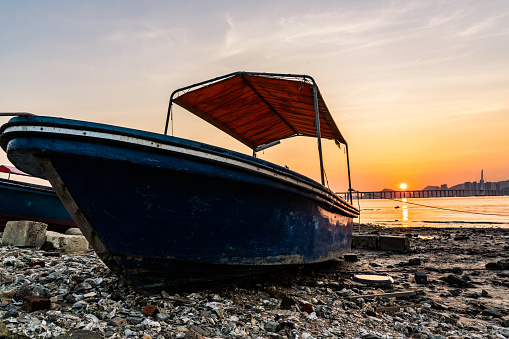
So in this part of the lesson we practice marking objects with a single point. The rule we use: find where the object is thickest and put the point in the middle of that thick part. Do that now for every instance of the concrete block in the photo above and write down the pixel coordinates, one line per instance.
(24, 233)
(67, 243)
(369, 242)
(395, 244)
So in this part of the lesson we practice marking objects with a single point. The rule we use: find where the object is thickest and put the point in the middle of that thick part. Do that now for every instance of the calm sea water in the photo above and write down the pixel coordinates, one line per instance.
(437, 212)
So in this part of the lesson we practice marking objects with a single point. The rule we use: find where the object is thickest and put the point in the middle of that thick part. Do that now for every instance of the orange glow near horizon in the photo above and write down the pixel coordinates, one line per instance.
(428, 108)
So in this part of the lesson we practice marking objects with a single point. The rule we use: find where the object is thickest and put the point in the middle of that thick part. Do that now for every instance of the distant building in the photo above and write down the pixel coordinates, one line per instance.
(458, 187)
(481, 183)
(431, 188)
(475, 188)
(504, 184)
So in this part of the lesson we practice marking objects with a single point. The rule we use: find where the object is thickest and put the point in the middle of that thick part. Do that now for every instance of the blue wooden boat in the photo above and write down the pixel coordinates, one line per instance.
(24, 201)
(165, 212)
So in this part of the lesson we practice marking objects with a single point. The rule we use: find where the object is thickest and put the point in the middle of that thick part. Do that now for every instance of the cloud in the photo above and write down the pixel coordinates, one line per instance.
(494, 25)
(232, 45)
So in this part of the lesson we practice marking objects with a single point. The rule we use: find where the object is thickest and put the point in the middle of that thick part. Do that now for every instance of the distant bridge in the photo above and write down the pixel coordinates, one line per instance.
(422, 194)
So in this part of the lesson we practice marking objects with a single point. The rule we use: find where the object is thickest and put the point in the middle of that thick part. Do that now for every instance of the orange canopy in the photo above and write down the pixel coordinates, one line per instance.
(259, 108)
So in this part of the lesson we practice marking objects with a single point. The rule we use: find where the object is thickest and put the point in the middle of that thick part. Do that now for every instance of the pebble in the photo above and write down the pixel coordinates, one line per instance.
(86, 300)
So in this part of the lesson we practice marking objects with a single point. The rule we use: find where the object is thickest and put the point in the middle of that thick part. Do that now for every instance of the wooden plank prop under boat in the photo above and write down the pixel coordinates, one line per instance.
(169, 213)
(25, 201)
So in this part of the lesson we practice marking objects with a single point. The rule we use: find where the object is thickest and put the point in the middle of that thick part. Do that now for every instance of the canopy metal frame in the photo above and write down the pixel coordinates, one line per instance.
(305, 78)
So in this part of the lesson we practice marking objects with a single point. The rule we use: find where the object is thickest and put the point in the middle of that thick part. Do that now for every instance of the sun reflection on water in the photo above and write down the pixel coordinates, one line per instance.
(405, 213)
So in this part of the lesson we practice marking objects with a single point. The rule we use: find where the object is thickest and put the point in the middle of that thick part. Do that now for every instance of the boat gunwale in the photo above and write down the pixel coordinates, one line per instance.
(277, 172)
(26, 185)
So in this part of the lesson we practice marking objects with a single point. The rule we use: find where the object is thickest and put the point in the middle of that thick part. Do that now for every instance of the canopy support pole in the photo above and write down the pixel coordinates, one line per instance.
(318, 134)
(349, 178)
(168, 116)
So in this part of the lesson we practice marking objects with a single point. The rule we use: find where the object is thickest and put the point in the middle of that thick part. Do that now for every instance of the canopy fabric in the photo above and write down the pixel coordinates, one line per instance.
(259, 109)
(12, 169)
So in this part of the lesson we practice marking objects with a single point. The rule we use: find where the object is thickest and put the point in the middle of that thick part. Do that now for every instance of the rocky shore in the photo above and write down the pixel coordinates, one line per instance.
(453, 283)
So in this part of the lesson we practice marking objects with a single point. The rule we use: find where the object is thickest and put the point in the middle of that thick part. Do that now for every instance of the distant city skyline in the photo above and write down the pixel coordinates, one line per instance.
(467, 185)
(474, 185)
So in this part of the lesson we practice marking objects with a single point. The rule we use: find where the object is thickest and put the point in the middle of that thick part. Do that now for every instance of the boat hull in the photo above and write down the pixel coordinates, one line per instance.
(163, 212)
(24, 201)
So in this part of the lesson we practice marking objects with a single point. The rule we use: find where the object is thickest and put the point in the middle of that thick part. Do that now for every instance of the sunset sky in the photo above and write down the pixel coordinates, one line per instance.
(420, 89)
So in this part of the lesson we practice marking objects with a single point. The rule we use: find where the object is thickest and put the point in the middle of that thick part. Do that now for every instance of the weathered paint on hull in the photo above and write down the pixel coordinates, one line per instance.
(163, 216)
(23, 201)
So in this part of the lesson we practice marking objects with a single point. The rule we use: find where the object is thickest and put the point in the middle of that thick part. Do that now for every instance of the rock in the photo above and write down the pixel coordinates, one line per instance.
(24, 233)
(39, 263)
(308, 308)
(4, 331)
(462, 237)
(491, 313)
(79, 334)
(499, 265)
(287, 303)
(457, 270)
(150, 311)
(119, 322)
(285, 324)
(192, 334)
(475, 295)
(51, 254)
(454, 280)
(270, 326)
(22, 292)
(89, 295)
(67, 243)
(370, 336)
(79, 305)
(73, 231)
(351, 257)
(7, 294)
(163, 316)
(414, 261)
(84, 286)
(200, 330)
(35, 303)
(134, 320)
(421, 278)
